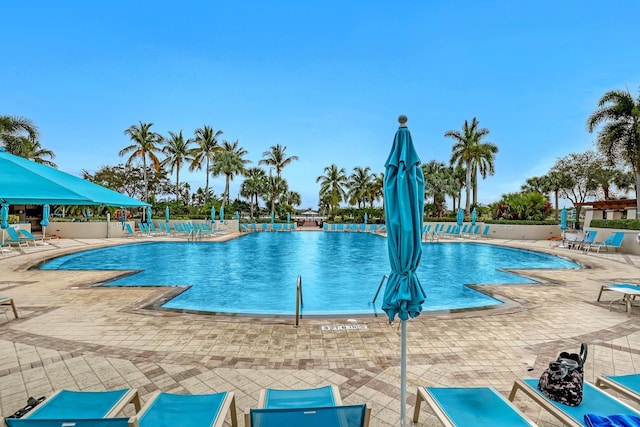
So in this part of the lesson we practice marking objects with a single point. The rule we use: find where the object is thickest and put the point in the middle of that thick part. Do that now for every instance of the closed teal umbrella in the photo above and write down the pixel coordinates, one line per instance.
(213, 215)
(149, 221)
(237, 215)
(366, 218)
(404, 207)
(473, 217)
(460, 219)
(166, 214)
(4, 222)
(221, 213)
(563, 219)
(273, 217)
(46, 212)
(288, 217)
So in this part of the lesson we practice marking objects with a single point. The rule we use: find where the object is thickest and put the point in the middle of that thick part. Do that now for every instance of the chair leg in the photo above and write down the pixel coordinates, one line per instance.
(416, 411)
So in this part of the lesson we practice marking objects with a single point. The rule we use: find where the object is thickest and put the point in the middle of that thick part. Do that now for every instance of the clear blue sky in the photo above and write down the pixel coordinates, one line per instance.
(327, 79)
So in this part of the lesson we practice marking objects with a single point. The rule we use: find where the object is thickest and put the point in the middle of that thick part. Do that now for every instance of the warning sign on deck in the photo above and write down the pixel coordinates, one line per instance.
(342, 327)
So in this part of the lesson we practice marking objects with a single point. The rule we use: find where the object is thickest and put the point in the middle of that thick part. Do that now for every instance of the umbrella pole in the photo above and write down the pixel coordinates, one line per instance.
(403, 373)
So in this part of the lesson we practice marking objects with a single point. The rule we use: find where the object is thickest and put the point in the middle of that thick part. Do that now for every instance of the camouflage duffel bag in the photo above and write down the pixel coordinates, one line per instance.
(563, 380)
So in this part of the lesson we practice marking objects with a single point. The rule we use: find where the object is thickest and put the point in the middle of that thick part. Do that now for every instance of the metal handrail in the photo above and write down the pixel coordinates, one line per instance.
(384, 277)
(299, 302)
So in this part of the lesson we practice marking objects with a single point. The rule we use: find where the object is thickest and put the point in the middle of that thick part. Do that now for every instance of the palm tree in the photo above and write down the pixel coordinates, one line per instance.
(229, 162)
(619, 137)
(358, 185)
(376, 189)
(474, 155)
(12, 128)
(274, 188)
(207, 140)
(145, 145)
(276, 157)
(177, 151)
(252, 187)
(32, 150)
(332, 184)
(438, 183)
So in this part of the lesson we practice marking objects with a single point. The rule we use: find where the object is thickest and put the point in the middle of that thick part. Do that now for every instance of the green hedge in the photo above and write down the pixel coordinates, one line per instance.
(521, 222)
(620, 224)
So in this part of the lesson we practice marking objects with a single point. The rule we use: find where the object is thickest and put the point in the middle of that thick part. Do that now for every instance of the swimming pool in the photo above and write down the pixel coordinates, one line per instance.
(256, 274)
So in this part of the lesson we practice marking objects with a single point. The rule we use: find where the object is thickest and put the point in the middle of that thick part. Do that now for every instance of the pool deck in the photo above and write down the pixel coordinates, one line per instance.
(86, 338)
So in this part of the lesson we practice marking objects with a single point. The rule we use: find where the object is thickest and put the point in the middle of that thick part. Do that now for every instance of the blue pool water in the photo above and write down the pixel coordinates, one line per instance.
(340, 271)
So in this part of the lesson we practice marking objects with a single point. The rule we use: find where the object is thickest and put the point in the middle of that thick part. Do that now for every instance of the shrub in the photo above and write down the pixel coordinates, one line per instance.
(620, 224)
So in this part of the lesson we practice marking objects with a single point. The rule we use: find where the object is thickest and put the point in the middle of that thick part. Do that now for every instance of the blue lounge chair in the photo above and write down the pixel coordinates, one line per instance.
(80, 408)
(194, 410)
(276, 227)
(336, 416)
(264, 226)
(472, 406)
(614, 241)
(15, 237)
(340, 227)
(305, 407)
(372, 227)
(594, 401)
(485, 233)
(586, 240)
(129, 230)
(27, 235)
(325, 227)
(254, 226)
(627, 385)
(244, 228)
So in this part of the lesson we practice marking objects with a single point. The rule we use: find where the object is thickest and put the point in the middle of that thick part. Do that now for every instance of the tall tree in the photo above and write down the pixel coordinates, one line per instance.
(203, 155)
(376, 189)
(578, 170)
(470, 152)
(253, 186)
(277, 157)
(13, 129)
(229, 162)
(274, 186)
(358, 184)
(145, 145)
(333, 184)
(554, 182)
(177, 151)
(32, 150)
(438, 182)
(619, 137)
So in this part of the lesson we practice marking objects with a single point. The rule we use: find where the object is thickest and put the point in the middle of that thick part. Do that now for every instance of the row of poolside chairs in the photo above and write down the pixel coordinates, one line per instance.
(20, 237)
(454, 230)
(317, 407)
(323, 406)
(587, 243)
(368, 228)
(485, 406)
(274, 226)
(177, 229)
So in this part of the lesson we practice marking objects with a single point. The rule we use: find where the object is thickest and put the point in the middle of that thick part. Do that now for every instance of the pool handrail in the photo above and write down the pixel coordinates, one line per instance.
(299, 302)
(384, 278)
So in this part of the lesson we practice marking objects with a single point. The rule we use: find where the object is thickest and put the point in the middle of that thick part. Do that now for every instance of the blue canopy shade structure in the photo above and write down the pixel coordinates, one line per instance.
(23, 181)
(404, 207)
(563, 219)
(473, 217)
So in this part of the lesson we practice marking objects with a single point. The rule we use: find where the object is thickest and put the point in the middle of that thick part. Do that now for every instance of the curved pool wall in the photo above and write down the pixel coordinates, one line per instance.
(340, 272)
